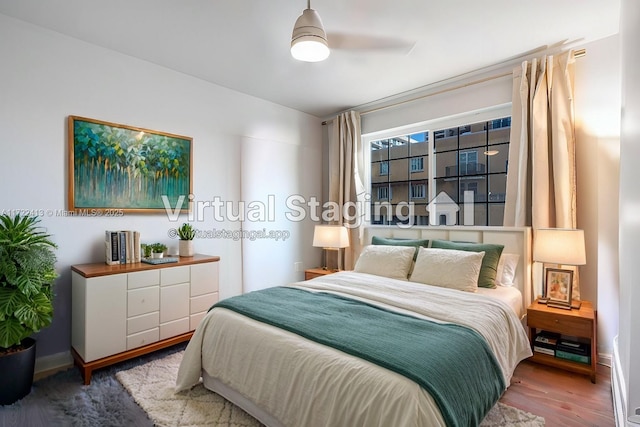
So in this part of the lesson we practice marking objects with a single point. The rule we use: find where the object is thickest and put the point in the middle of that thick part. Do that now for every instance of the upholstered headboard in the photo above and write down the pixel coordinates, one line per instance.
(516, 240)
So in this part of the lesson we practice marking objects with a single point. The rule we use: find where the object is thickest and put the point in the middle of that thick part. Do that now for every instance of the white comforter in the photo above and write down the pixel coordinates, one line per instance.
(300, 382)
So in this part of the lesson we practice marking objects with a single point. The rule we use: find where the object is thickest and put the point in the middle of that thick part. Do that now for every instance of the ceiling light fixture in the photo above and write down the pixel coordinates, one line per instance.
(309, 41)
(491, 152)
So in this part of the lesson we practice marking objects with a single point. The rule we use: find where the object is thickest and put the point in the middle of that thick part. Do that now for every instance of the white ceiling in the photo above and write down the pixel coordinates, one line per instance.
(244, 44)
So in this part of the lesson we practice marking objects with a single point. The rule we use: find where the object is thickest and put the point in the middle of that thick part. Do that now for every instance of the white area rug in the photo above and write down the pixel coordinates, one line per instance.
(152, 387)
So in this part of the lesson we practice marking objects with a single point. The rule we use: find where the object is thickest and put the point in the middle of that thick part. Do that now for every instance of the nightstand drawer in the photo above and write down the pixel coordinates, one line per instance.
(308, 275)
(567, 325)
(312, 273)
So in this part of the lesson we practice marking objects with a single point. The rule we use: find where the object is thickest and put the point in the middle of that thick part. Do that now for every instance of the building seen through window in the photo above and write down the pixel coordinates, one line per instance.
(445, 166)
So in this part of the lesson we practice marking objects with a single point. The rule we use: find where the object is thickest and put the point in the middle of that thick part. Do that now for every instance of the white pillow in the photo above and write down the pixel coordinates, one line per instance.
(506, 271)
(448, 268)
(387, 261)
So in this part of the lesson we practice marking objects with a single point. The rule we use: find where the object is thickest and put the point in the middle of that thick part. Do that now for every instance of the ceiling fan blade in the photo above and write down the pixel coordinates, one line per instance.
(347, 41)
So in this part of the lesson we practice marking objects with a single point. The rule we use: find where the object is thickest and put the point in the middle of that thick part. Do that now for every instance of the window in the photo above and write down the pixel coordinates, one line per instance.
(384, 168)
(468, 164)
(417, 164)
(399, 177)
(442, 164)
(383, 193)
(501, 123)
(468, 186)
(418, 191)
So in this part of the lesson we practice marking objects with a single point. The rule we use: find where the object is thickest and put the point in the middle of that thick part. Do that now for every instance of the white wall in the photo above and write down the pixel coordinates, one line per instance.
(597, 104)
(269, 262)
(629, 338)
(441, 103)
(45, 77)
(597, 107)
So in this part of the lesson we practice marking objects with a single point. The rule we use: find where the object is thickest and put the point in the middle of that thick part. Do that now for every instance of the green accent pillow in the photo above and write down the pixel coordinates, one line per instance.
(390, 241)
(489, 268)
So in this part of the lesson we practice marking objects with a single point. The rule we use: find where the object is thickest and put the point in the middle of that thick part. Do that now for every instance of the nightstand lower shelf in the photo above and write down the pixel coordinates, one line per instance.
(568, 365)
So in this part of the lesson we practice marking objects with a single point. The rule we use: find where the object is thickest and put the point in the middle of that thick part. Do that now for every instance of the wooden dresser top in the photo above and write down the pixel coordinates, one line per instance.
(102, 269)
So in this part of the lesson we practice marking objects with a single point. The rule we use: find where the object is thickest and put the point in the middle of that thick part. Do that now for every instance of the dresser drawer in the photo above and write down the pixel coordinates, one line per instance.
(204, 278)
(203, 302)
(143, 300)
(174, 302)
(563, 324)
(143, 338)
(173, 275)
(195, 319)
(143, 322)
(176, 327)
(143, 279)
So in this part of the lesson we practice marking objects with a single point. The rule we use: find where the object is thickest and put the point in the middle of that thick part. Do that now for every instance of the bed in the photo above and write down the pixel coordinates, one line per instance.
(438, 355)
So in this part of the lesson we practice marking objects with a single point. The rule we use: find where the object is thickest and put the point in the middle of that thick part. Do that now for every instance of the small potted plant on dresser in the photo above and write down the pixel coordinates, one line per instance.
(157, 250)
(27, 274)
(146, 250)
(186, 234)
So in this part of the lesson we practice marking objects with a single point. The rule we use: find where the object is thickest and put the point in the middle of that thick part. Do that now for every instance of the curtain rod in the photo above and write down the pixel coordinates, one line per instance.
(577, 54)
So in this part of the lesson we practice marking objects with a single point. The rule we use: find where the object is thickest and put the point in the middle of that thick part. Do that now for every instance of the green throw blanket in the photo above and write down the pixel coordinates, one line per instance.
(453, 363)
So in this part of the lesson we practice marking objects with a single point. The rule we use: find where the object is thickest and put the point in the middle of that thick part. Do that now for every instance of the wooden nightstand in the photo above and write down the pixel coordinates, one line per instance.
(580, 323)
(316, 272)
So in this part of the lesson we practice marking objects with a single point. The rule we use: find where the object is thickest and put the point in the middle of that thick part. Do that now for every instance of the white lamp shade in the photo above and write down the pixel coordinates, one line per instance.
(330, 236)
(309, 41)
(559, 246)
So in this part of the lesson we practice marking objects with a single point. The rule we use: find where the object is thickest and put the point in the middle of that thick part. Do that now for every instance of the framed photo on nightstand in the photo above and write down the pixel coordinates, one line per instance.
(558, 287)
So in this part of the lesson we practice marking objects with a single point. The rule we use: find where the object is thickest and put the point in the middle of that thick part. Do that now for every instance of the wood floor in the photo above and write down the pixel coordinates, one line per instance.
(562, 398)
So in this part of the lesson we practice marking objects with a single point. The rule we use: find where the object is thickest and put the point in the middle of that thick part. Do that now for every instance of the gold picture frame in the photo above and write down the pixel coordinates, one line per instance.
(115, 168)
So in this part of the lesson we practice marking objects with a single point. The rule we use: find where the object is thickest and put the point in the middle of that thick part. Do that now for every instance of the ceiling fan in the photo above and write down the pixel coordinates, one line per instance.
(309, 41)
(348, 41)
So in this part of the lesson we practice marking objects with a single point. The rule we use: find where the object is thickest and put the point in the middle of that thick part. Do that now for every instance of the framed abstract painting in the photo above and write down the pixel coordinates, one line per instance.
(126, 169)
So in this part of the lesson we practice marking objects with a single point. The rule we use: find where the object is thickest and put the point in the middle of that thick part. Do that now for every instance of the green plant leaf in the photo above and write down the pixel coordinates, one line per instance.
(12, 332)
(27, 274)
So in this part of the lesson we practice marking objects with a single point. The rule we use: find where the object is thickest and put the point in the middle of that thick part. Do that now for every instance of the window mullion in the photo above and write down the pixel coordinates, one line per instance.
(431, 158)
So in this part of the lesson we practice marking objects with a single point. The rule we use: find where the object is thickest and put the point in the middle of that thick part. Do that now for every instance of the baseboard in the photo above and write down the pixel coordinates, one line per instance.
(49, 365)
(618, 388)
(605, 359)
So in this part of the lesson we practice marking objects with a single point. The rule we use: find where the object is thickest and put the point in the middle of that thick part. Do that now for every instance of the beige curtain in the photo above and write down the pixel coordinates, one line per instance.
(346, 183)
(541, 179)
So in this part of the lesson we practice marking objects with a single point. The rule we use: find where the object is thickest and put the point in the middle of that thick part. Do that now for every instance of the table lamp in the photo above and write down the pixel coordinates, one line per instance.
(330, 237)
(559, 246)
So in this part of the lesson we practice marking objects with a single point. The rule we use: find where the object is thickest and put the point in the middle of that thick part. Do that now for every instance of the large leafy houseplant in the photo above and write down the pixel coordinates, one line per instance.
(27, 274)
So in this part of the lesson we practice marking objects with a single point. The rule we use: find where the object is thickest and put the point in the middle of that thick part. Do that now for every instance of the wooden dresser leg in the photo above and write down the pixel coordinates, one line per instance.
(86, 374)
(85, 369)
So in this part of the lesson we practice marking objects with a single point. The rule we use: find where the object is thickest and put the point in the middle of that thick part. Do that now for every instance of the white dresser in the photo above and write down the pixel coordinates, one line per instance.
(123, 311)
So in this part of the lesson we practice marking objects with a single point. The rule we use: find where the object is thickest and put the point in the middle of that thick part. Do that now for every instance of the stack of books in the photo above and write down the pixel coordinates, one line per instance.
(122, 247)
(562, 347)
(546, 343)
(574, 350)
